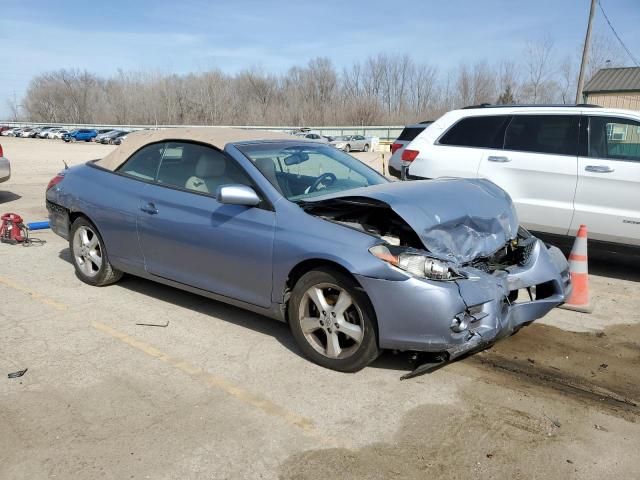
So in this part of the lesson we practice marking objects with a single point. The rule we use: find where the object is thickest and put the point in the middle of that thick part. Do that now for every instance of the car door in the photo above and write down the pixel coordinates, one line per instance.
(190, 238)
(608, 192)
(538, 167)
(359, 142)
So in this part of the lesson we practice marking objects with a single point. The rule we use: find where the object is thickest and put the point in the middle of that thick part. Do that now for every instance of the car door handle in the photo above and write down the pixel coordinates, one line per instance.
(493, 158)
(598, 168)
(149, 208)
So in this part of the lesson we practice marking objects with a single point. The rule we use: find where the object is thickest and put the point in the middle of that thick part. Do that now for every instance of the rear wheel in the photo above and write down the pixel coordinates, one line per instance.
(89, 255)
(333, 321)
(366, 148)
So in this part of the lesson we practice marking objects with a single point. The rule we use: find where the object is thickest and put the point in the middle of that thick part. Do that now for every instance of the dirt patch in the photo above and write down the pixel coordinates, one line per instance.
(503, 434)
(551, 393)
(599, 369)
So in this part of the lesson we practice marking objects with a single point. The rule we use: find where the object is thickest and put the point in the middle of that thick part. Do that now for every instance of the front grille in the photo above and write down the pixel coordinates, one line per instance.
(524, 250)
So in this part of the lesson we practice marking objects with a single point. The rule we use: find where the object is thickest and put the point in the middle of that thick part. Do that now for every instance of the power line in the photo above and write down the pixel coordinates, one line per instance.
(618, 36)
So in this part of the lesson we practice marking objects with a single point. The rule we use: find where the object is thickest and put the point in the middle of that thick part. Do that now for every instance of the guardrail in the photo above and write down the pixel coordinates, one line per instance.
(384, 133)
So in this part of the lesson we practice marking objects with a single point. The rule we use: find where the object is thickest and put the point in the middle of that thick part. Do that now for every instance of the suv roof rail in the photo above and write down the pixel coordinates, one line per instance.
(490, 105)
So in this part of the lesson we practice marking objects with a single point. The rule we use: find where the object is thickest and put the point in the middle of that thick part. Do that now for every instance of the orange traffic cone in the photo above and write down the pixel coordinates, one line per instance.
(579, 298)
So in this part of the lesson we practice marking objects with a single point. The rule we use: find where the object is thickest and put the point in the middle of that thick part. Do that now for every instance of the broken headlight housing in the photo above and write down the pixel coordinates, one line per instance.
(415, 263)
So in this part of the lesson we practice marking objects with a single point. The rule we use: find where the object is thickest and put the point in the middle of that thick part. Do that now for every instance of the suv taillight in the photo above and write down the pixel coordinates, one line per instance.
(55, 180)
(395, 147)
(1, 153)
(409, 155)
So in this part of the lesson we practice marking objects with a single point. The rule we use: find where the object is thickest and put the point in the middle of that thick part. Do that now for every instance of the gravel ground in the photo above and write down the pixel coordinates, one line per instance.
(223, 393)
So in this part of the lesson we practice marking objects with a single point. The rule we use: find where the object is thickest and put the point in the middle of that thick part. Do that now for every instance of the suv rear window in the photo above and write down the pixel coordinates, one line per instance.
(556, 134)
(409, 133)
(485, 132)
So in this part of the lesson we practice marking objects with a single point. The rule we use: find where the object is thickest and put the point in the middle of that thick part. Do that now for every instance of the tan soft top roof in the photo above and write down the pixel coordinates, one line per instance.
(216, 136)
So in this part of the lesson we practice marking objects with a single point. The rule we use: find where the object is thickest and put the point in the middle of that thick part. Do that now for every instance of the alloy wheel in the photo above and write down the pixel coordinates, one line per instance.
(87, 251)
(331, 321)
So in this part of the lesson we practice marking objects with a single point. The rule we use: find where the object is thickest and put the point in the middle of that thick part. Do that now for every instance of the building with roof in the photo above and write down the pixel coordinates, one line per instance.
(614, 88)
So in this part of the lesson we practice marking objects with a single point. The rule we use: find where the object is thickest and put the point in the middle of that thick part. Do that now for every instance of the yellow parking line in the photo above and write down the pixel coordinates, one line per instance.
(245, 396)
(35, 295)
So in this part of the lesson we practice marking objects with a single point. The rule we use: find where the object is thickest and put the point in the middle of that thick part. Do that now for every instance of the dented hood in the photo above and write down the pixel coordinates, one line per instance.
(456, 219)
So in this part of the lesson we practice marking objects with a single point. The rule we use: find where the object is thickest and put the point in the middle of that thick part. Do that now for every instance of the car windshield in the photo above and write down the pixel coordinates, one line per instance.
(302, 171)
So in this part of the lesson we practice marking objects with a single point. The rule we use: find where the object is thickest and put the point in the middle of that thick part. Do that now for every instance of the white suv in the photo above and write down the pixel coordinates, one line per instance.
(562, 165)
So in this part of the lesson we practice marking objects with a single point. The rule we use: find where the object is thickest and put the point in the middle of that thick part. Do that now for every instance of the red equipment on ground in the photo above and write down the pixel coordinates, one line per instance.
(12, 229)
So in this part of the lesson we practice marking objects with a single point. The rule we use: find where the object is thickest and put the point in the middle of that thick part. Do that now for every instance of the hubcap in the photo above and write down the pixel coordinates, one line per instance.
(87, 251)
(331, 321)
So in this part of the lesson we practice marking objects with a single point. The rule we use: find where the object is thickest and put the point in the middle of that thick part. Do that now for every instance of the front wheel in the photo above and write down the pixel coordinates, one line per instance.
(333, 321)
(89, 255)
(347, 148)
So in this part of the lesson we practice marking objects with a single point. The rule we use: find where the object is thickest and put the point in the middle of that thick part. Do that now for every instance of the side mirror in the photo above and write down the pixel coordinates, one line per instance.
(237, 195)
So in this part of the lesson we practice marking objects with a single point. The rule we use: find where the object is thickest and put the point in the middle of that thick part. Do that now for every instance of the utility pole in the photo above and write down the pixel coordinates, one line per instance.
(585, 53)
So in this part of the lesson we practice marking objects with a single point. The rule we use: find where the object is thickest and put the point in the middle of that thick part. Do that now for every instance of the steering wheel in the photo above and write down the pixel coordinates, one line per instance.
(324, 178)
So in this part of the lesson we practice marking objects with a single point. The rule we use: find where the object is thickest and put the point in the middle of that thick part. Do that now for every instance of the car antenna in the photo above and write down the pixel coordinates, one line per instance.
(66, 167)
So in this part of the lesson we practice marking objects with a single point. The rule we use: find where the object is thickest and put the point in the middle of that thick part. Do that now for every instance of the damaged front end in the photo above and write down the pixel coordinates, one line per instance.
(472, 276)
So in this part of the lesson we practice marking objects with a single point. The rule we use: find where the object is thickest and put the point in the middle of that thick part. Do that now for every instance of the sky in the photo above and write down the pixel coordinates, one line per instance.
(181, 36)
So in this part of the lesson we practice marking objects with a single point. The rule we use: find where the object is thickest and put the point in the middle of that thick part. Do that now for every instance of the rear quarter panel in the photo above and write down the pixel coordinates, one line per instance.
(111, 202)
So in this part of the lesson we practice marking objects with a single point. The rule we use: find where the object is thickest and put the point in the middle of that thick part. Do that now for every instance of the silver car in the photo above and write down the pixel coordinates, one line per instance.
(5, 167)
(304, 233)
(350, 143)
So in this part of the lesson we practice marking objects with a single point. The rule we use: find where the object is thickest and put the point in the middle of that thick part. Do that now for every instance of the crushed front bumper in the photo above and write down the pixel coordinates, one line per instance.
(462, 316)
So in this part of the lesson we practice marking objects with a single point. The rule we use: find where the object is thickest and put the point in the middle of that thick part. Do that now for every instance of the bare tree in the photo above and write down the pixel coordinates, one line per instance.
(539, 67)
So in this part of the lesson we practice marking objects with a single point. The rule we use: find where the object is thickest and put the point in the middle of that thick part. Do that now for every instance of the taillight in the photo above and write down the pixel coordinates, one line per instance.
(409, 155)
(55, 180)
(1, 153)
(395, 147)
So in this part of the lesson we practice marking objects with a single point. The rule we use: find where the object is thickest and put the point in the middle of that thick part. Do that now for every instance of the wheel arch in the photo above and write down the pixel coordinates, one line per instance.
(310, 264)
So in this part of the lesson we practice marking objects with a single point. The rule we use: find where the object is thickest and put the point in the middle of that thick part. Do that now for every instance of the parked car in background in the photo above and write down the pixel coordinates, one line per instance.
(59, 133)
(9, 132)
(563, 165)
(4, 128)
(44, 133)
(80, 135)
(25, 132)
(312, 136)
(397, 147)
(350, 143)
(5, 167)
(304, 233)
(102, 133)
(36, 132)
(109, 138)
(120, 139)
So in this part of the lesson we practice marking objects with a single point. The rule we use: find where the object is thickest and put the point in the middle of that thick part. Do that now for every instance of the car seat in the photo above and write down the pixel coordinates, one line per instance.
(268, 169)
(209, 174)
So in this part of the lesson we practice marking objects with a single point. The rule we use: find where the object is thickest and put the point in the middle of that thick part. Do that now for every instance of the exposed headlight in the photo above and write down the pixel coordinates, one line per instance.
(415, 264)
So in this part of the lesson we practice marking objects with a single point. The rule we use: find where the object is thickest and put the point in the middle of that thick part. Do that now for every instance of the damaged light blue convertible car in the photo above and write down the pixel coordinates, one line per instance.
(304, 233)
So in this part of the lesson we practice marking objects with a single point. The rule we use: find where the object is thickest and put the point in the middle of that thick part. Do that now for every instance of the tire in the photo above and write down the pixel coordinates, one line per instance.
(89, 256)
(366, 148)
(347, 148)
(323, 338)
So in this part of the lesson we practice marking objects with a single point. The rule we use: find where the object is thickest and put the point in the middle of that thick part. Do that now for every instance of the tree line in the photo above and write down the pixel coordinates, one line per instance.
(380, 90)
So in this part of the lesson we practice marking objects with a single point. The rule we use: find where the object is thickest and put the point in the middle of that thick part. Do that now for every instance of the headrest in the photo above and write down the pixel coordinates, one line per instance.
(210, 165)
(266, 165)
